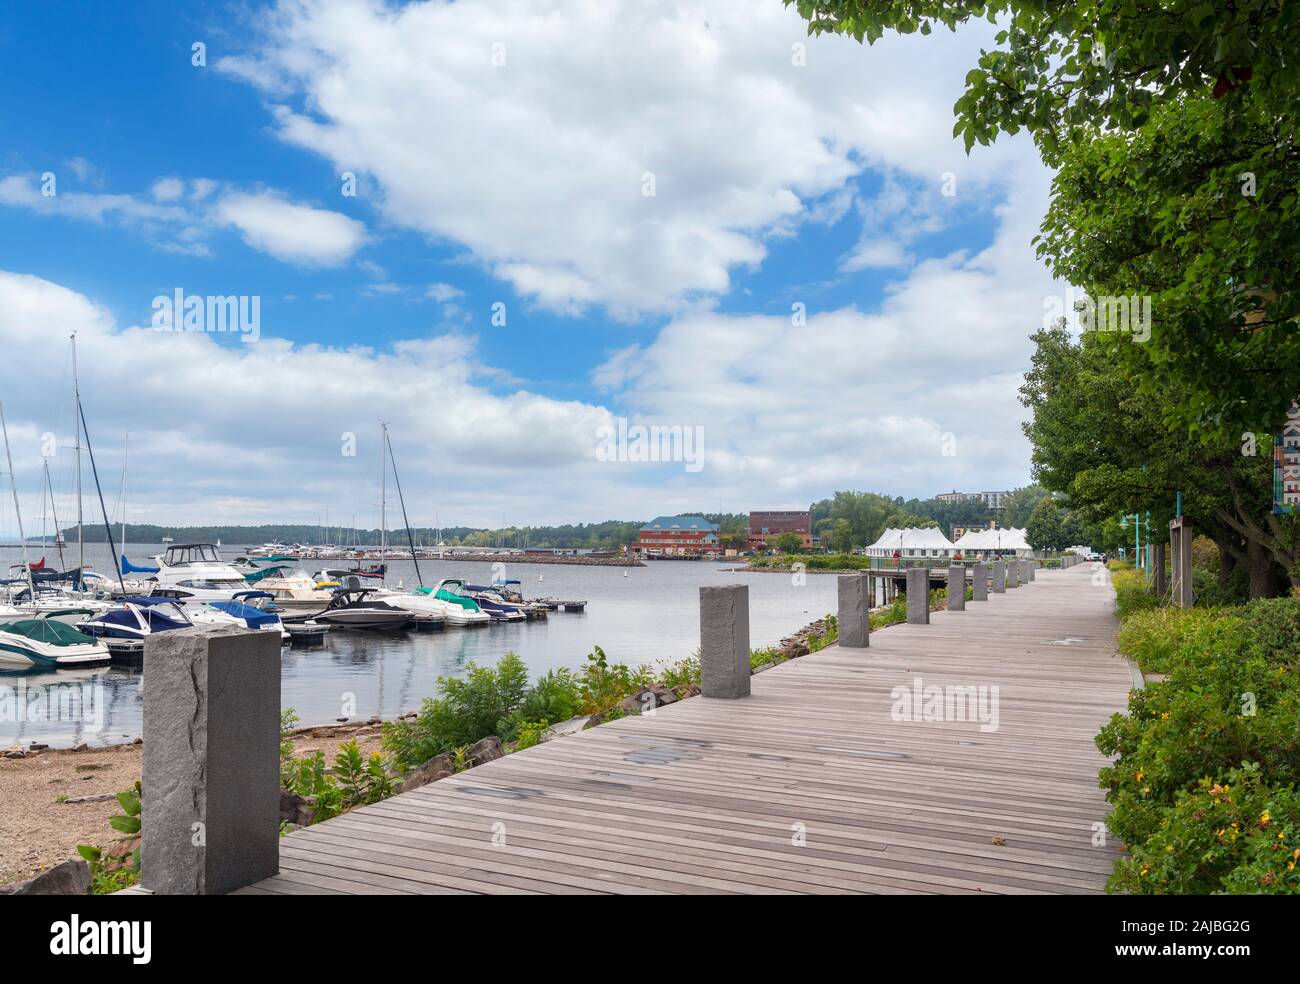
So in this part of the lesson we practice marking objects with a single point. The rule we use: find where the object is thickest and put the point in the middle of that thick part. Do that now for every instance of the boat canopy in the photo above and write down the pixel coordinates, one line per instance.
(251, 616)
(130, 568)
(49, 631)
(252, 577)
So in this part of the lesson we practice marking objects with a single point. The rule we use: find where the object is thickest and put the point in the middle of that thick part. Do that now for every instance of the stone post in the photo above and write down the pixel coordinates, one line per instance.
(724, 641)
(1031, 568)
(980, 582)
(1013, 574)
(1161, 583)
(999, 576)
(854, 611)
(918, 596)
(210, 819)
(1180, 544)
(956, 588)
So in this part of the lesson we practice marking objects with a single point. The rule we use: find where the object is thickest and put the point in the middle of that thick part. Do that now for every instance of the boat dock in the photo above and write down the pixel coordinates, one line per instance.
(812, 784)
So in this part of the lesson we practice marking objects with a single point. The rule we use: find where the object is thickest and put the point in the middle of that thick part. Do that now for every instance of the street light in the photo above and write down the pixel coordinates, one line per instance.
(1137, 534)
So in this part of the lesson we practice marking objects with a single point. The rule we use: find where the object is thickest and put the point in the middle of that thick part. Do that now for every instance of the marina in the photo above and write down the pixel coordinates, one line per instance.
(649, 617)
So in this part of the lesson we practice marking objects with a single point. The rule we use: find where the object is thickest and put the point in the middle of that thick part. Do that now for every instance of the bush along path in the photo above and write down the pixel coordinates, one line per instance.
(1207, 760)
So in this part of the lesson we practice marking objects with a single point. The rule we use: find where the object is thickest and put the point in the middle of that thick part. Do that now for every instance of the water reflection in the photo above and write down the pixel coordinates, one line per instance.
(650, 616)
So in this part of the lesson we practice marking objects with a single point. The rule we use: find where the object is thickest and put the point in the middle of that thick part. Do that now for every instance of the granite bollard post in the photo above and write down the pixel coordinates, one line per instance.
(1013, 574)
(210, 819)
(1031, 567)
(980, 582)
(956, 588)
(918, 596)
(999, 576)
(724, 641)
(854, 611)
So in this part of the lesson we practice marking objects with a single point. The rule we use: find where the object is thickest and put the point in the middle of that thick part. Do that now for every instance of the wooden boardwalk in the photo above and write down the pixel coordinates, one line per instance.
(711, 796)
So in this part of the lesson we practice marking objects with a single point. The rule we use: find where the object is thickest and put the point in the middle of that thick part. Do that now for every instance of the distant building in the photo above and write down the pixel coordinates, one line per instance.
(770, 525)
(678, 536)
(991, 500)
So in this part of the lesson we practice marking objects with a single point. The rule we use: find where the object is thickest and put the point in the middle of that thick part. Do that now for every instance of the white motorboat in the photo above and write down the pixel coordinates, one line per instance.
(136, 619)
(298, 591)
(449, 598)
(196, 572)
(358, 608)
(49, 643)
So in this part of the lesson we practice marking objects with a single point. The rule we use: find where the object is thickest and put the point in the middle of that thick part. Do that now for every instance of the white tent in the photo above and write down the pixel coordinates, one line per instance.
(1006, 542)
(924, 541)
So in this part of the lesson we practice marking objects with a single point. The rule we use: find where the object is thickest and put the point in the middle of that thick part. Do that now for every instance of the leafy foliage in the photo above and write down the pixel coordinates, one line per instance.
(118, 866)
(1206, 762)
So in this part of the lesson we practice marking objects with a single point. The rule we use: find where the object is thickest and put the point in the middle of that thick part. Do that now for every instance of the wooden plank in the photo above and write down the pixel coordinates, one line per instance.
(808, 786)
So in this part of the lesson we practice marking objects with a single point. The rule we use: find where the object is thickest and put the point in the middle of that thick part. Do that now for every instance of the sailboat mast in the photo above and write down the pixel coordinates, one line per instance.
(54, 511)
(383, 477)
(126, 444)
(13, 485)
(397, 479)
(76, 446)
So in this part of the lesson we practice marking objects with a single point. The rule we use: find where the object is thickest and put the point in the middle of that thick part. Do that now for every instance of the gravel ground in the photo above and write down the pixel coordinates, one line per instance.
(37, 831)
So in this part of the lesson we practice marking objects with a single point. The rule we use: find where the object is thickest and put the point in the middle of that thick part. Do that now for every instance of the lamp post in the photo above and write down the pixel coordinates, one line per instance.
(1137, 533)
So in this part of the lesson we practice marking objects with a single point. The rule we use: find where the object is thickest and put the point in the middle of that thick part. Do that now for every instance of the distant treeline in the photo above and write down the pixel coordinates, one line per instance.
(845, 521)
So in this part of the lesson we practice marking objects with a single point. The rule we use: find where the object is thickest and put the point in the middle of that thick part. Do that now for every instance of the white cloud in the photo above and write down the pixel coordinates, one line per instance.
(216, 428)
(291, 232)
(168, 189)
(538, 165)
(442, 293)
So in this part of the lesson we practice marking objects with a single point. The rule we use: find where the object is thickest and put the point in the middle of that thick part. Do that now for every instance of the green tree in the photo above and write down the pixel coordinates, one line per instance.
(1020, 504)
(840, 537)
(789, 543)
(1046, 528)
(1112, 451)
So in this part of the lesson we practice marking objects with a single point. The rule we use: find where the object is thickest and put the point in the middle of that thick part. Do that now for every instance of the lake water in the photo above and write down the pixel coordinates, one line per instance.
(649, 616)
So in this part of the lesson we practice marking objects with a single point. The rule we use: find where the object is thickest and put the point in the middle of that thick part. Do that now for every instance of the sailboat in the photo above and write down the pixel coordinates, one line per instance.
(429, 605)
(41, 641)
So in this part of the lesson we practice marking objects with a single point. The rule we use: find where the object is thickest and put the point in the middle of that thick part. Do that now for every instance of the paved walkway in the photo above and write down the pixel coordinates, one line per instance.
(810, 785)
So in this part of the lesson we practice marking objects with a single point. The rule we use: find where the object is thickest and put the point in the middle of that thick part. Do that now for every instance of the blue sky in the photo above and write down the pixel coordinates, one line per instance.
(500, 153)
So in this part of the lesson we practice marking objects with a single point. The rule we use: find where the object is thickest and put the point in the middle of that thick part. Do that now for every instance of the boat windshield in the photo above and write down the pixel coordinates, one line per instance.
(194, 553)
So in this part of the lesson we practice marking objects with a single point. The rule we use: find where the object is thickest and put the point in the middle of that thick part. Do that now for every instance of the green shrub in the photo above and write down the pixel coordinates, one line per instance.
(1131, 593)
(1208, 592)
(683, 673)
(530, 734)
(468, 709)
(1238, 835)
(362, 780)
(605, 684)
(1153, 636)
(118, 866)
(1223, 704)
(556, 696)
(892, 614)
(1273, 627)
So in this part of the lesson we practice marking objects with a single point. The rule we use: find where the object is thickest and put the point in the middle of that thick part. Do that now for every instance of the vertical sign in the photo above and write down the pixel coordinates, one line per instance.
(1286, 465)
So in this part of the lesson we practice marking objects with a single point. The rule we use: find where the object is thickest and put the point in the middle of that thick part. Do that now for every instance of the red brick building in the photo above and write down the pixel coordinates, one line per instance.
(678, 536)
(769, 525)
